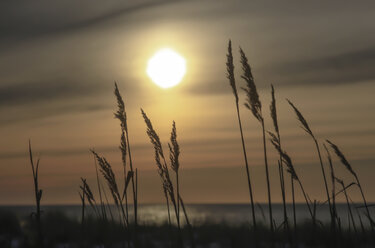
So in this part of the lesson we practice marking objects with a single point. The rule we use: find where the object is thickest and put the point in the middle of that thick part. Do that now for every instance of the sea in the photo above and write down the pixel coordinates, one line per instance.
(230, 214)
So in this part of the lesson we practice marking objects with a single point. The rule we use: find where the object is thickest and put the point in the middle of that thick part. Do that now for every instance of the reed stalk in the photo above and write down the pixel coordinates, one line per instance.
(348, 166)
(90, 197)
(126, 150)
(108, 205)
(102, 205)
(38, 196)
(106, 169)
(83, 202)
(333, 193)
(232, 81)
(162, 167)
(273, 111)
(294, 205)
(341, 182)
(306, 128)
(174, 153)
(290, 168)
(254, 105)
(188, 223)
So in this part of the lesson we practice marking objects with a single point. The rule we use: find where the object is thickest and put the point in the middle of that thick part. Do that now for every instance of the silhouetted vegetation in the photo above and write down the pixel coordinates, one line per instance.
(106, 222)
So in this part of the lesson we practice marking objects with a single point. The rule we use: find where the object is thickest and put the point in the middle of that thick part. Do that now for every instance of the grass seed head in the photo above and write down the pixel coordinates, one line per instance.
(252, 98)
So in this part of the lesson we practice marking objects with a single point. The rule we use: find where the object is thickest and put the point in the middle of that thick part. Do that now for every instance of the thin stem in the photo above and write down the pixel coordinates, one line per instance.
(83, 200)
(188, 223)
(267, 177)
(364, 201)
(135, 198)
(282, 184)
(38, 196)
(325, 179)
(169, 213)
(349, 208)
(306, 199)
(178, 197)
(294, 205)
(108, 205)
(247, 172)
(100, 192)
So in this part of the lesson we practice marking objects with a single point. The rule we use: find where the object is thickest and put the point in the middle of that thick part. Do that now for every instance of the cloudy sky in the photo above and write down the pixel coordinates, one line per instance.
(59, 61)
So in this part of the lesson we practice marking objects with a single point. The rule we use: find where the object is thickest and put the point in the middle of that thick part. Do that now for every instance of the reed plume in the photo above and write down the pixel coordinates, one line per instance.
(161, 164)
(306, 128)
(38, 196)
(253, 103)
(106, 169)
(163, 170)
(86, 190)
(174, 153)
(232, 82)
(347, 165)
(125, 150)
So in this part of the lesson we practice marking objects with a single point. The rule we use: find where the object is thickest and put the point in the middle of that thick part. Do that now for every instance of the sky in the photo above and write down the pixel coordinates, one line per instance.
(59, 61)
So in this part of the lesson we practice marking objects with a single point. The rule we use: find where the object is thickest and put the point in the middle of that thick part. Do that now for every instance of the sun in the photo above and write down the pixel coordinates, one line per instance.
(166, 68)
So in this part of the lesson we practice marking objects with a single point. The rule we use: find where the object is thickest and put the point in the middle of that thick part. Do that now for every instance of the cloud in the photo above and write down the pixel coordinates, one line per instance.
(21, 20)
(39, 91)
(343, 68)
(348, 67)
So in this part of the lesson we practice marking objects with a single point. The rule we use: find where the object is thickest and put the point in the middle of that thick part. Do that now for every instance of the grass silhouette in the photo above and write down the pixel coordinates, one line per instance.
(100, 225)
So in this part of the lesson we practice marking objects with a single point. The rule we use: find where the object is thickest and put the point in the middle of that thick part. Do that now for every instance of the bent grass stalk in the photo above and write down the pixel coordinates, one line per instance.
(347, 165)
(290, 168)
(334, 213)
(254, 105)
(341, 182)
(306, 128)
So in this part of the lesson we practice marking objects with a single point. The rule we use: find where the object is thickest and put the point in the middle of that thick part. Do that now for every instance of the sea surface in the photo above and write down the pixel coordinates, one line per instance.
(231, 214)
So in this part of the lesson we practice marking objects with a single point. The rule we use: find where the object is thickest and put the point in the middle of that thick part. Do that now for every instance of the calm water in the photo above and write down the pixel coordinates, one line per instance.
(233, 214)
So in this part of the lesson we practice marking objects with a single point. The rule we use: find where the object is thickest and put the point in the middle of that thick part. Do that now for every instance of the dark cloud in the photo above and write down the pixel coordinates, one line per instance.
(9, 118)
(349, 67)
(35, 92)
(20, 20)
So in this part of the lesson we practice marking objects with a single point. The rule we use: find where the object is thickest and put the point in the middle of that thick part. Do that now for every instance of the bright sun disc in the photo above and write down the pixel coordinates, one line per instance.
(166, 68)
